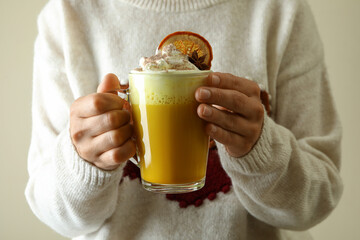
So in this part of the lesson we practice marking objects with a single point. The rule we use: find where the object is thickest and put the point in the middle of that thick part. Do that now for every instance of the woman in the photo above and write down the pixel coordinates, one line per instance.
(281, 170)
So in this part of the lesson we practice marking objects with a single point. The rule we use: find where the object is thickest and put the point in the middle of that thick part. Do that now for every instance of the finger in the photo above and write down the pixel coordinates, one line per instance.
(96, 104)
(227, 120)
(112, 139)
(115, 156)
(110, 84)
(227, 138)
(230, 99)
(105, 122)
(229, 81)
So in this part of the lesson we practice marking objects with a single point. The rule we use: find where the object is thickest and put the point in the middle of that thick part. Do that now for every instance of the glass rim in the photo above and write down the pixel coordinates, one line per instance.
(174, 72)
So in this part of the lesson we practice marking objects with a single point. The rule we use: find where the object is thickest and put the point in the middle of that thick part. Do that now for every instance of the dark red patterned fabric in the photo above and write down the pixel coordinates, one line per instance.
(216, 181)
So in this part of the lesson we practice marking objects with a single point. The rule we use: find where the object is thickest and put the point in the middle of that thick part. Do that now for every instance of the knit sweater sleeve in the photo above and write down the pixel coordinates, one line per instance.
(291, 178)
(67, 193)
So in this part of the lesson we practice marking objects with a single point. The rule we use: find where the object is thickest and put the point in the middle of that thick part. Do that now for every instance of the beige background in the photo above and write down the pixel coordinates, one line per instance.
(339, 24)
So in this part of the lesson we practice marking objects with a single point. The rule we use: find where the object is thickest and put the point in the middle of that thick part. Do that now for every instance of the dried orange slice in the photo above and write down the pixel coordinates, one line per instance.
(192, 44)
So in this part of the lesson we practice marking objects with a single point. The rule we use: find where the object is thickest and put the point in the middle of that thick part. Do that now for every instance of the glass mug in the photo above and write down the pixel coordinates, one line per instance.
(171, 143)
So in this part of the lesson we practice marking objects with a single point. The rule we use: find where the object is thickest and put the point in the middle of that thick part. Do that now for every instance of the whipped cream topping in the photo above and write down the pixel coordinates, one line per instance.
(169, 58)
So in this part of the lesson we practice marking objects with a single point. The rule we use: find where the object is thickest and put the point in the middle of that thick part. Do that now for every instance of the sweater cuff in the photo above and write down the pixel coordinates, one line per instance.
(258, 160)
(84, 171)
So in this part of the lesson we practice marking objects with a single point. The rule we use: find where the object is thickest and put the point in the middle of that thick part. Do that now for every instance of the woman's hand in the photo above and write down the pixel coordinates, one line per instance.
(99, 127)
(233, 110)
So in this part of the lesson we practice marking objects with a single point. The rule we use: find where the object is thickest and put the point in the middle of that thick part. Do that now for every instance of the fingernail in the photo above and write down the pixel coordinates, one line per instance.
(206, 111)
(204, 93)
(215, 80)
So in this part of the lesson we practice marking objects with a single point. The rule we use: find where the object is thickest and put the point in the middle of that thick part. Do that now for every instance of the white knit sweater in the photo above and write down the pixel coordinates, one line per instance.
(288, 183)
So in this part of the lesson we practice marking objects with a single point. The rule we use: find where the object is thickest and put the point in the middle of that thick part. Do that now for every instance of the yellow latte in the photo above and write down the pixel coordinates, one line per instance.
(171, 142)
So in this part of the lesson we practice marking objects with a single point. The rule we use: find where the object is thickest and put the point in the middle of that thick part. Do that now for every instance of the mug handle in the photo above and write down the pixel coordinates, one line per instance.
(124, 93)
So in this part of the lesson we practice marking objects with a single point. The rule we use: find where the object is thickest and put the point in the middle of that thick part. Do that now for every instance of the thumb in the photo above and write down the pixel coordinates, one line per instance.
(110, 84)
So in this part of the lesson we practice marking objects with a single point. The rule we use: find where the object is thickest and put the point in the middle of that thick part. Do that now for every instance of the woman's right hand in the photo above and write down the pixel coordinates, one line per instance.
(99, 127)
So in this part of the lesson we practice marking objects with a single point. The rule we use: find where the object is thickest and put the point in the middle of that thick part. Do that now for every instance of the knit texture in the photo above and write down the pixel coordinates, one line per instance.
(173, 5)
(286, 184)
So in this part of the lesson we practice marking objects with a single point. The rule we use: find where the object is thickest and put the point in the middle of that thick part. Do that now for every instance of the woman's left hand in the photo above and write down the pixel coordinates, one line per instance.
(232, 108)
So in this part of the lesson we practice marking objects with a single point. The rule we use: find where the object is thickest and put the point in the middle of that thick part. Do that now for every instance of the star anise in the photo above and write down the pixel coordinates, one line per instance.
(198, 61)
